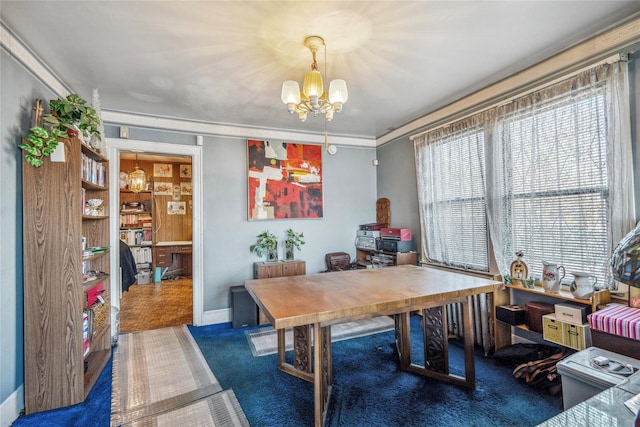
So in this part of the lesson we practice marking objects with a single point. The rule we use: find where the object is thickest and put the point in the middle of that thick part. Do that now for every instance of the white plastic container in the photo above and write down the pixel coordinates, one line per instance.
(582, 378)
(144, 277)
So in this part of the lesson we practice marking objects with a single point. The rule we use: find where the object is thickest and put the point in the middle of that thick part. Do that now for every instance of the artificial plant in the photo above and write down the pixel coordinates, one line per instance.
(294, 239)
(38, 144)
(266, 242)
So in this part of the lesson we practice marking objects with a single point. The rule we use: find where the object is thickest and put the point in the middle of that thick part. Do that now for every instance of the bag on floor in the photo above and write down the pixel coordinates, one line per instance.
(517, 354)
(542, 374)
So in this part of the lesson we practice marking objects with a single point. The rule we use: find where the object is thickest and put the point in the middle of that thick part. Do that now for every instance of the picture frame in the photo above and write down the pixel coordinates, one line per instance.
(185, 188)
(163, 170)
(176, 208)
(284, 180)
(162, 188)
(185, 171)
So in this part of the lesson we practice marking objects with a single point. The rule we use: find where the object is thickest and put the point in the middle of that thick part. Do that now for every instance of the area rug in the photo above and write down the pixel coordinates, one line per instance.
(221, 409)
(157, 374)
(264, 341)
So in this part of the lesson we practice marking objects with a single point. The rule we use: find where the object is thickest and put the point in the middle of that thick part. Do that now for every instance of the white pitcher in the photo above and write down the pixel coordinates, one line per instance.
(583, 285)
(551, 281)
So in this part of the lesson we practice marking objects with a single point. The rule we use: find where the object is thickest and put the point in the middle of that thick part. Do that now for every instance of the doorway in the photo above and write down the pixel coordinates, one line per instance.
(156, 235)
(187, 264)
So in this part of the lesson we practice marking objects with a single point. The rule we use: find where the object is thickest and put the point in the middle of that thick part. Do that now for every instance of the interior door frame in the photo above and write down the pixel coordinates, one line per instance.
(114, 147)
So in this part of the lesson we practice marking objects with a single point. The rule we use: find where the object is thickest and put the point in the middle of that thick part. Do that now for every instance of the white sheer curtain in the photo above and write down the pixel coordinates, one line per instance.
(559, 180)
(450, 171)
(549, 173)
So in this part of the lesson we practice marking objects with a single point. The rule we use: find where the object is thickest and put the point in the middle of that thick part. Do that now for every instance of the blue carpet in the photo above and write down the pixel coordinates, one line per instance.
(95, 411)
(369, 389)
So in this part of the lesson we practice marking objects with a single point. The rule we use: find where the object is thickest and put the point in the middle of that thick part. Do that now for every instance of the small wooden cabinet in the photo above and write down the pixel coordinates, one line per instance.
(62, 279)
(162, 256)
(267, 270)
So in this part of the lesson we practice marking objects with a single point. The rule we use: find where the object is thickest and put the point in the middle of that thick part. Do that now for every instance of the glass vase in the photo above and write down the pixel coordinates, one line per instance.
(288, 252)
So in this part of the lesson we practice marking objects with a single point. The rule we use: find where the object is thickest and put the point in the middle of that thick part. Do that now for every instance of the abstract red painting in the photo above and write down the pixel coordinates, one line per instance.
(285, 180)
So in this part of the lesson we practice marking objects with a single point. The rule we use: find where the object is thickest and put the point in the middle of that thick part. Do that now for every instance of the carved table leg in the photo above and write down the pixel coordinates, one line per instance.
(436, 345)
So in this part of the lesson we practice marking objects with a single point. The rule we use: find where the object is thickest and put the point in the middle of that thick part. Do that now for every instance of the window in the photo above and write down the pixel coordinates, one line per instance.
(559, 195)
(453, 198)
(548, 174)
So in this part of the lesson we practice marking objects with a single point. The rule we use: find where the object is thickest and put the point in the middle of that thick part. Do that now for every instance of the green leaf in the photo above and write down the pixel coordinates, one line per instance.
(39, 132)
(33, 139)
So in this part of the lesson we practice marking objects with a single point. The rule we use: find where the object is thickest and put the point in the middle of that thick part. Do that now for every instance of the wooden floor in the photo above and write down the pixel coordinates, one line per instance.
(154, 306)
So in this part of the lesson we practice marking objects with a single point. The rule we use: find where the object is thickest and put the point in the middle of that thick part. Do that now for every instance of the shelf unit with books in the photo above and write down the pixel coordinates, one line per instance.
(136, 226)
(65, 240)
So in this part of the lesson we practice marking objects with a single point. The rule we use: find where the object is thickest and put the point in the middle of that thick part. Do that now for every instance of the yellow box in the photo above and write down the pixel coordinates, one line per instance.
(552, 329)
(578, 337)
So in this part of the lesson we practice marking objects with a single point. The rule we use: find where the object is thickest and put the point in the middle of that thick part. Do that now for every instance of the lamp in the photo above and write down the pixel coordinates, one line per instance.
(625, 264)
(313, 99)
(137, 179)
(625, 261)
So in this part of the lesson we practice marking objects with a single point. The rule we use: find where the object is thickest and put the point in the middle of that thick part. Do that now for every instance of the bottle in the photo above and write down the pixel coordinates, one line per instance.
(519, 270)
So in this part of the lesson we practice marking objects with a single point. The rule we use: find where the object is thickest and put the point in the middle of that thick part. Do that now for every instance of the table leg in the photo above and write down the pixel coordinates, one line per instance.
(435, 337)
(403, 339)
(281, 348)
(322, 376)
(469, 357)
(436, 350)
(302, 348)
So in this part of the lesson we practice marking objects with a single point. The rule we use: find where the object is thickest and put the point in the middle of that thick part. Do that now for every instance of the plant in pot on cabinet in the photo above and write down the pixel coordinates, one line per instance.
(293, 240)
(68, 117)
(71, 116)
(267, 244)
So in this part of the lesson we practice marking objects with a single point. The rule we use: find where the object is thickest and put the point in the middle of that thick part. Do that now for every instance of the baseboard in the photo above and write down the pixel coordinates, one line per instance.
(213, 317)
(11, 407)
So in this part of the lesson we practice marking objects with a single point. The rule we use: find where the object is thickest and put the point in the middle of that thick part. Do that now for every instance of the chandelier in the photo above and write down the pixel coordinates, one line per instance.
(313, 99)
(137, 179)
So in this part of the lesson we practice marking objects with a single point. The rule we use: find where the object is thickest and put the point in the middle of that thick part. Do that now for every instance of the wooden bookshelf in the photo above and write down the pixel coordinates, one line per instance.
(57, 371)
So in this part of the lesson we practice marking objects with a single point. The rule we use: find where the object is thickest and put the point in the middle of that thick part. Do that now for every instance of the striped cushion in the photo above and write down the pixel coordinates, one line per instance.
(617, 320)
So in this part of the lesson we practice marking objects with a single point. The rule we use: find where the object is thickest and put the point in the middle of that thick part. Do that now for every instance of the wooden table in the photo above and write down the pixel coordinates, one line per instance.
(311, 304)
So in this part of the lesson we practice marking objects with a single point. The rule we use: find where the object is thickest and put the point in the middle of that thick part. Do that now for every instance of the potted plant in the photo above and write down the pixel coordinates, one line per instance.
(293, 240)
(38, 144)
(267, 244)
(71, 116)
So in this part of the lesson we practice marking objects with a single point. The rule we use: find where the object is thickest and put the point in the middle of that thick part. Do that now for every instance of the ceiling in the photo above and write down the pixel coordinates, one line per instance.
(224, 62)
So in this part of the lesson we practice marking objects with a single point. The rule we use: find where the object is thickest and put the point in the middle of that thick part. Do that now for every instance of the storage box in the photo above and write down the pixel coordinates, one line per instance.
(398, 233)
(534, 310)
(578, 337)
(144, 277)
(552, 329)
(511, 314)
(572, 313)
(581, 379)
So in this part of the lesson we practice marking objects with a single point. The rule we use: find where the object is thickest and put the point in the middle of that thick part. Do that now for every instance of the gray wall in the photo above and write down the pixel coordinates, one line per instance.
(19, 91)
(397, 182)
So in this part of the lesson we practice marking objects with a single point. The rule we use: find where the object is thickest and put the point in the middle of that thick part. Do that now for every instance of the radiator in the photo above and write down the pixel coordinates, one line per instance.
(481, 307)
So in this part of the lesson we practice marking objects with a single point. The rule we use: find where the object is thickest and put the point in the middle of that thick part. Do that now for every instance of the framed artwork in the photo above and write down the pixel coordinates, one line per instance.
(176, 208)
(284, 180)
(185, 171)
(162, 188)
(185, 188)
(163, 170)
